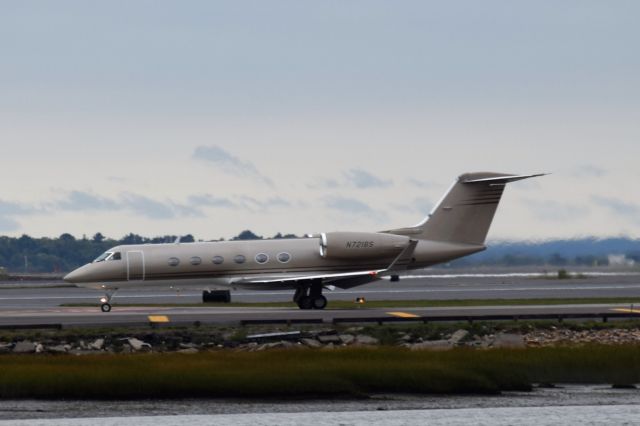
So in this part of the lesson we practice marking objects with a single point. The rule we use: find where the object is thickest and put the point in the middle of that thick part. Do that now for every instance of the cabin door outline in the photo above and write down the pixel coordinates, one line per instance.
(135, 265)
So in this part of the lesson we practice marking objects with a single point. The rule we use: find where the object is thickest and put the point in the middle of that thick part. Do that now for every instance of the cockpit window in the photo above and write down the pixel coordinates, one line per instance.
(104, 256)
(108, 255)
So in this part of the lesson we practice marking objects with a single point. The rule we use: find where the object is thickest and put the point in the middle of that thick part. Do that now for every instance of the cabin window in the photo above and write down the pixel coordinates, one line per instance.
(174, 261)
(116, 256)
(262, 258)
(218, 260)
(195, 260)
(239, 259)
(284, 257)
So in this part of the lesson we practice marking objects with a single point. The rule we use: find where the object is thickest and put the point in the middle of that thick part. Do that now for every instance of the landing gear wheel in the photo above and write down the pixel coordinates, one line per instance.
(305, 302)
(319, 302)
(105, 301)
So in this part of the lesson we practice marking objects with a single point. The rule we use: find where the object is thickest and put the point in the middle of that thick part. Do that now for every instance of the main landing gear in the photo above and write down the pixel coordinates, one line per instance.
(310, 296)
(106, 301)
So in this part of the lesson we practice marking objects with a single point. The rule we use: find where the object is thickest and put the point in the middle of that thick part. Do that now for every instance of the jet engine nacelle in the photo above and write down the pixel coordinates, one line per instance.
(361, 245)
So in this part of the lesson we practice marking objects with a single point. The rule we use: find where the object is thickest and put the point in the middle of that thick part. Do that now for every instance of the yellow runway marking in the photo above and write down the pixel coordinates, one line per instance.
(158, 318)
(627, 311)
(403, 315)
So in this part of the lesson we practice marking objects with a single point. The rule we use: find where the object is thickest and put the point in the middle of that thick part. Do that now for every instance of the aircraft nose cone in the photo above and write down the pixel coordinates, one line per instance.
(74, 276)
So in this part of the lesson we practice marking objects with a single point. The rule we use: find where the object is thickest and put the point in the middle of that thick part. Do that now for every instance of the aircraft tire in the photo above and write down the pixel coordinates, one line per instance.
(305, 302)
(105, 307)
(319, 302)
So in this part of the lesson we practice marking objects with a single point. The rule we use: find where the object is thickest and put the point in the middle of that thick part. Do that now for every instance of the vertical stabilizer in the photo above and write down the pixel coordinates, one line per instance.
(465, 213)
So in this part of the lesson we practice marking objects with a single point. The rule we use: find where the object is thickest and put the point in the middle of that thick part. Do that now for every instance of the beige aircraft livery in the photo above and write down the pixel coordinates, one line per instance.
(456, 227)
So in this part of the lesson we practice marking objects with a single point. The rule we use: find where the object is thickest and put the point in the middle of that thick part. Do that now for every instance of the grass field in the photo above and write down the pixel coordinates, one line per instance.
(353, 372)
(345, 304)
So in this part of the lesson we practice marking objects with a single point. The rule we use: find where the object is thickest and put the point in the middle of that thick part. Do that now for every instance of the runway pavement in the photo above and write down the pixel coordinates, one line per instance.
(139, 316)
(433, 287)
(29, 305)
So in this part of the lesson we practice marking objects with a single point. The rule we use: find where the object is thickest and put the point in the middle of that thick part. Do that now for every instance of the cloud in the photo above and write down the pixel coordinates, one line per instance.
(354, 207)
(7, 224)
(79, 200)
(420, 206)
(154, 209)
(354, 178)
(253, 204)
(553, 211)
(185, 210)
(148, 207)
(10, 208)
(363, 179)
(619, 207)
(424, 184)
(228, 163)
(208, 200)
(423, 205)
(84, 201)
(348, 205)
(588, 171)
(324, 184)
(241, 202)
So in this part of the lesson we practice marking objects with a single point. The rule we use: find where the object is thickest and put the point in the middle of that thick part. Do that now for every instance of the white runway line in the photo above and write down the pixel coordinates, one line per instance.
(520, 275)
(123, 295)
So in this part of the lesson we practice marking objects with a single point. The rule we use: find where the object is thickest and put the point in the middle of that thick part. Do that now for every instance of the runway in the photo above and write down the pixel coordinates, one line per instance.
(31, 305)
(140, 316)
(416, 287)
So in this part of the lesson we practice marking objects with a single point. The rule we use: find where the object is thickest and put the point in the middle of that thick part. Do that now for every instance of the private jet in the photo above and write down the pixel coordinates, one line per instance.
(456, 227)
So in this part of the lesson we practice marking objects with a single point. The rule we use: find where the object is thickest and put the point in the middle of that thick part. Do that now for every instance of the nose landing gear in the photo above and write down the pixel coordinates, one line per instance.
(106, 301)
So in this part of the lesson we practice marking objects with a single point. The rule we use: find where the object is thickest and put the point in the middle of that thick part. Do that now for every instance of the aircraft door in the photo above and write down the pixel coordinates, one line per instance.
(135, 266)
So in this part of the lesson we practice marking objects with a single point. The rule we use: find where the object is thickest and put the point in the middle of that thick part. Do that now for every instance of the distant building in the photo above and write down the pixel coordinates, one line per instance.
(620, 260)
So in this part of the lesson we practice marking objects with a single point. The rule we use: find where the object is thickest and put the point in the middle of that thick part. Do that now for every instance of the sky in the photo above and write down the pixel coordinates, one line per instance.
(211, 117)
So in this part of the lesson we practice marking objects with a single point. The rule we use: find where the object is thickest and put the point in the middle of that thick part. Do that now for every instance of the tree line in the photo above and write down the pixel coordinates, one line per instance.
(65, 253)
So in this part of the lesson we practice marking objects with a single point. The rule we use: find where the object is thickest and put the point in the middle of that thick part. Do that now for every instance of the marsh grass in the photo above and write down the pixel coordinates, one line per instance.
(353, 372)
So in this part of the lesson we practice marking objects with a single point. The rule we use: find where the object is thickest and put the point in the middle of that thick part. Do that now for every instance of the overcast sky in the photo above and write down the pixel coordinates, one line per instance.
(210, 117)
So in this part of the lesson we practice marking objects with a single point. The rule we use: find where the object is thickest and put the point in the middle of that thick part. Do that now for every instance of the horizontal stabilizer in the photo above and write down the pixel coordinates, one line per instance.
(503, 179)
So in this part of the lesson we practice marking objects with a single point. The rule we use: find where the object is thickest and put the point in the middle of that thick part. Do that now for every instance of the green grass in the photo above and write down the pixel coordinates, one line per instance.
(353, 372)
(343, 304)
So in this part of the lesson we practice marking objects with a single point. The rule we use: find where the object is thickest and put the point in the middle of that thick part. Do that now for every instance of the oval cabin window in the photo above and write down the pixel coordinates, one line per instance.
(195, 260)
(239, 259)
(174, 261)
(284, 257)
(262, 258)
(218, 260)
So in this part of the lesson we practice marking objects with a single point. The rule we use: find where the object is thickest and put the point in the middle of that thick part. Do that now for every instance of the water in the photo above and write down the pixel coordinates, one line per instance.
(597, 404)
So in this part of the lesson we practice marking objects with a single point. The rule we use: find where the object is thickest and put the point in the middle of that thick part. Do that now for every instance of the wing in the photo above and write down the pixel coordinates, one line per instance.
(293, 280)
